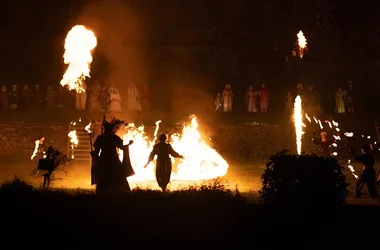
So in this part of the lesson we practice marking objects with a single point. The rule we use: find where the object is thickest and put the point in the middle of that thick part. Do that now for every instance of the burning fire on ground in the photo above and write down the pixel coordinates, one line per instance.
(201, 161)
(79, 44)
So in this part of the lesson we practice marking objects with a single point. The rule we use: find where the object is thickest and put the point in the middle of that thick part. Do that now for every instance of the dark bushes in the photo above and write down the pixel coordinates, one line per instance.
(303, 181)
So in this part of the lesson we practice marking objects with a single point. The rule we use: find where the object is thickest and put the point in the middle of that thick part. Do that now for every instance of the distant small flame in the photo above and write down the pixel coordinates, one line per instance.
(301, 44)
(73, 140)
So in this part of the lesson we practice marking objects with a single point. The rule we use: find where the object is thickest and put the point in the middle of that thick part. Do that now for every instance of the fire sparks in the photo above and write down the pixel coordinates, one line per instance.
(298, 124)
(78, 46)
(88, 128)
(200, 161)
(349, 134)
(301, 45)
(352, 169)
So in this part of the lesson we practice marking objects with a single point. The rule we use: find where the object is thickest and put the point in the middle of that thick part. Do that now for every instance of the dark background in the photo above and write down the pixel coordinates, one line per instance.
(200, 44)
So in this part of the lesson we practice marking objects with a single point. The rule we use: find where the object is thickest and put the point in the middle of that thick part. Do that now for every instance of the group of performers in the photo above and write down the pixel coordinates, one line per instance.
(109, 174)
(253, 99)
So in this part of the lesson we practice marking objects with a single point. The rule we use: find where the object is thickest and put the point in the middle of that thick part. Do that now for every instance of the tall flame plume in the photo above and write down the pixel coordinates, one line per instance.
(298, 123)
(79, 44)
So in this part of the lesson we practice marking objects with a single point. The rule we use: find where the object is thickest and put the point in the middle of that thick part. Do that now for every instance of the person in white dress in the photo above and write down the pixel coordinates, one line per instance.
(115, 99)
(81, 98)
(133, 98)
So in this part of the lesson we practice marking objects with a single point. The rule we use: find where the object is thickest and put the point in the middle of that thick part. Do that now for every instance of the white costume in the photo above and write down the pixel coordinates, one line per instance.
(133, 101)
(115, 100)
(81, 98)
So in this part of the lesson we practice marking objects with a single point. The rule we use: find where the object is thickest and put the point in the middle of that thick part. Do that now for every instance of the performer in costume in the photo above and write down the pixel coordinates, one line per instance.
(81, 98)
(4, 100)
(368, 174)
(94, 97)
(14, 97)
(108, 173)
(264, 98)
(133, 101)
(339, 101)
(350, 97)
(324, 145)
(251, 100)
(217, 102)
(227, 98)
(163, 151)
(115, 99)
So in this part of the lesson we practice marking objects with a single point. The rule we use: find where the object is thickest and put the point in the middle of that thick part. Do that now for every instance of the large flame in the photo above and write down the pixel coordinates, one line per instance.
(298, 123)
(78, 46)
(200, 161)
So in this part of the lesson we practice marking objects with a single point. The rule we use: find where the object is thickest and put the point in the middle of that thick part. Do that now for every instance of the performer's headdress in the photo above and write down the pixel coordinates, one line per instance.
(112, 126)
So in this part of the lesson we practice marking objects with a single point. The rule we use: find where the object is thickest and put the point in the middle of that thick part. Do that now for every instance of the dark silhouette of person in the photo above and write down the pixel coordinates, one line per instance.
(368, 174)
(108, 173)
(324, 145)
(163, 151)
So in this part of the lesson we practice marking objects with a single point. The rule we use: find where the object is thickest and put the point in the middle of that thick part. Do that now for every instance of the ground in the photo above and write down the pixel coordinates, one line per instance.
(246, 178)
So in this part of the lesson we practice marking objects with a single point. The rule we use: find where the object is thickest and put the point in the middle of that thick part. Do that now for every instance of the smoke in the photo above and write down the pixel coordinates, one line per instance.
(119, 54)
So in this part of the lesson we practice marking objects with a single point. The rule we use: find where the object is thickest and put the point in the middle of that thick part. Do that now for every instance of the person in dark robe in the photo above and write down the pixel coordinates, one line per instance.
(368, 174)
(109, 173)
(289, 104)
(26, 97)
(324, 145)
(51, 98)
(37, 96)
(14, 98)
(4, 100)
(163, 151)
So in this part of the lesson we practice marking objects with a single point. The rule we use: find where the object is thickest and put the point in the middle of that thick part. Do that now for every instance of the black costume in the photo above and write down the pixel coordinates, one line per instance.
(108, 173)
(368, 175)
(163, 151)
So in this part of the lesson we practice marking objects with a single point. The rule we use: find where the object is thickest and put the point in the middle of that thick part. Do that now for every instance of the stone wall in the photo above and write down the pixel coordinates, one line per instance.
(235, 142)
(20, 140)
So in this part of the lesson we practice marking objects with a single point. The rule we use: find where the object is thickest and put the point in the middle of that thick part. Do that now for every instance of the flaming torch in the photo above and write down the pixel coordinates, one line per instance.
(298, 124)
(301, 45)
(79, 44)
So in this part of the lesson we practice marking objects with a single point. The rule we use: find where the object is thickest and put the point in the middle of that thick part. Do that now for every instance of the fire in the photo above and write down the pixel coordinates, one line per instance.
(79, 44)
(88, 128)
(298, 124)
(36, 146)
(200, 161)
(352, 169)
(73, 140)
(302, 44)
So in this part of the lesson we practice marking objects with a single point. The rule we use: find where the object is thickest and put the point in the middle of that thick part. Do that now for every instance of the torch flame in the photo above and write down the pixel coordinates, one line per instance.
(298, 124)
(88, 128)
(349, 134)
(302, 44)
(78, 46)
(200, 161)
(73, 140)
(308, 118)
(36, 146)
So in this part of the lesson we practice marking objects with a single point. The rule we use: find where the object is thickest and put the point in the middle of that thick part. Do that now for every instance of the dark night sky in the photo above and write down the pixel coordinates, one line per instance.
(198, 41)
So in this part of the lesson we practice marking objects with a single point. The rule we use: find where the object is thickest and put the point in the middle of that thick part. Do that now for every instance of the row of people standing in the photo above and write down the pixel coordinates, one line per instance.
(345, 99)
(30, 98)
(253, 99)
(108, 98)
